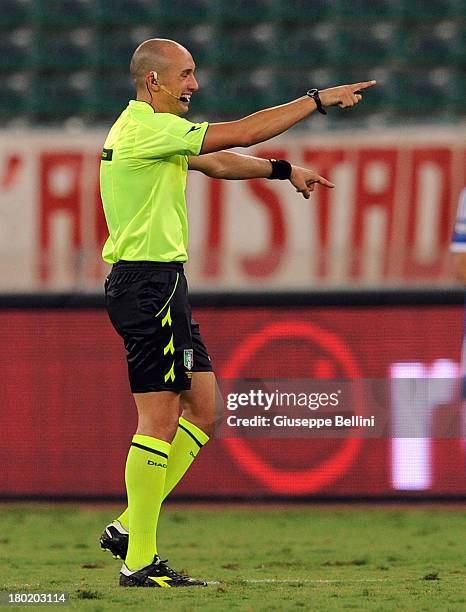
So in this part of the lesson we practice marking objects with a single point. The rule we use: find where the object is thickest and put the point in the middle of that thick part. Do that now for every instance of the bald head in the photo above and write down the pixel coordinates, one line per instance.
(154, 54)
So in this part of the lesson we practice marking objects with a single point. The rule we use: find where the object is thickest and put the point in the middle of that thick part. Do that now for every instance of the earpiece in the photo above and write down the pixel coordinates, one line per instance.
(167, 91)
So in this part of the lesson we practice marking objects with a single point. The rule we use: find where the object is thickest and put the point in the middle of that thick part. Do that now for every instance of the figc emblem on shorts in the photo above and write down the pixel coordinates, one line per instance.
(188, 359)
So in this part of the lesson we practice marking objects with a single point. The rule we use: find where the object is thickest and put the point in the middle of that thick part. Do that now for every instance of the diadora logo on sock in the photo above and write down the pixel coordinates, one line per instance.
(155, 464)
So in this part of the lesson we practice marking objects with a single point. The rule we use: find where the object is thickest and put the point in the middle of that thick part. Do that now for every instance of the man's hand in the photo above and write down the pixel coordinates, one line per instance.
(344, 95)
(304, 180)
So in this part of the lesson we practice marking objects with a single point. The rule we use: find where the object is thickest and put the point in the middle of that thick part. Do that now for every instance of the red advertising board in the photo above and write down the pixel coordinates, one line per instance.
(68, 414)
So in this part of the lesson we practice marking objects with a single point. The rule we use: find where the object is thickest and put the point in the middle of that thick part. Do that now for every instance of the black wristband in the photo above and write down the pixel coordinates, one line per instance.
(281, 169)
(314, 94)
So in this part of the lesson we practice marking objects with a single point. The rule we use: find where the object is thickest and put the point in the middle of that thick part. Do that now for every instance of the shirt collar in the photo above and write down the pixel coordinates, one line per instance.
(140, 105)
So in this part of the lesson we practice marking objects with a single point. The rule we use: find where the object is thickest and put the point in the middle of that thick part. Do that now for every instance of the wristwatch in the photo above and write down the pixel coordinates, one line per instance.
(314, 94)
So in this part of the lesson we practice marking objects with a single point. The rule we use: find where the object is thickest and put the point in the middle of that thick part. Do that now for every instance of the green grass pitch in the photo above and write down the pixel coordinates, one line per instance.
(258, 558)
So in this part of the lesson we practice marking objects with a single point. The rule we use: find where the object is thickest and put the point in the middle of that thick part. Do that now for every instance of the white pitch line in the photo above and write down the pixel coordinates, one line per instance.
(287, 581)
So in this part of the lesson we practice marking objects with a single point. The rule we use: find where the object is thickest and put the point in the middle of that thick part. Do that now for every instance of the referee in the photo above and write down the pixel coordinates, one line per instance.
(145, 161)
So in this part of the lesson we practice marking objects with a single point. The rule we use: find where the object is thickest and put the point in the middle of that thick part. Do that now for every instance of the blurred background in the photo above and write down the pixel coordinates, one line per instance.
(282, 287)
(74, 54)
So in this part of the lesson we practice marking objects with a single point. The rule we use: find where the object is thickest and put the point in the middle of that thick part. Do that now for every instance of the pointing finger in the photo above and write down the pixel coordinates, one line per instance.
(325, 183)
(363, 85)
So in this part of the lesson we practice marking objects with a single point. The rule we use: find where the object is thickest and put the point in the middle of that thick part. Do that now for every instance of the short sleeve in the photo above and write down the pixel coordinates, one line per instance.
(458, 241)
(165, 135)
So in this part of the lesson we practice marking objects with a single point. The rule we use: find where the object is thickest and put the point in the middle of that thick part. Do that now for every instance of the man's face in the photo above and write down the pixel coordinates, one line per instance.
(178, 78)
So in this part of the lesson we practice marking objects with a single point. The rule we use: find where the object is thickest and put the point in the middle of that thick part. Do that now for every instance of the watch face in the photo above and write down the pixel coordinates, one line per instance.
(314, 94)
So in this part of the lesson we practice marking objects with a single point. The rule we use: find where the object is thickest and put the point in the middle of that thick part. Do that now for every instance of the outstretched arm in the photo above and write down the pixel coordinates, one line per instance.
(266, 124)
(234, 166)
(230, 165)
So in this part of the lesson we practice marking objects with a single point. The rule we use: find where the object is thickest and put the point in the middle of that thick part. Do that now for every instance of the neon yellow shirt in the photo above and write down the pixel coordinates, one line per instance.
(142, 184)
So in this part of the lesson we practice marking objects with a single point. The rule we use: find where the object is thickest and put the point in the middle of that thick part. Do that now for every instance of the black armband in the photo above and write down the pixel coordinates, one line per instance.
(281, 169)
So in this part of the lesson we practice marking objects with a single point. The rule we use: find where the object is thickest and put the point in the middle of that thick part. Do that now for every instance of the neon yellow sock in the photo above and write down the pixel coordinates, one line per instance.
(124, 519)
(188, 441)
(146, 469)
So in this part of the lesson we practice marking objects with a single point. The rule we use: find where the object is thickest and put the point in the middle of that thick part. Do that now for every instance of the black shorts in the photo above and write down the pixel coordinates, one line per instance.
(148, 305)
